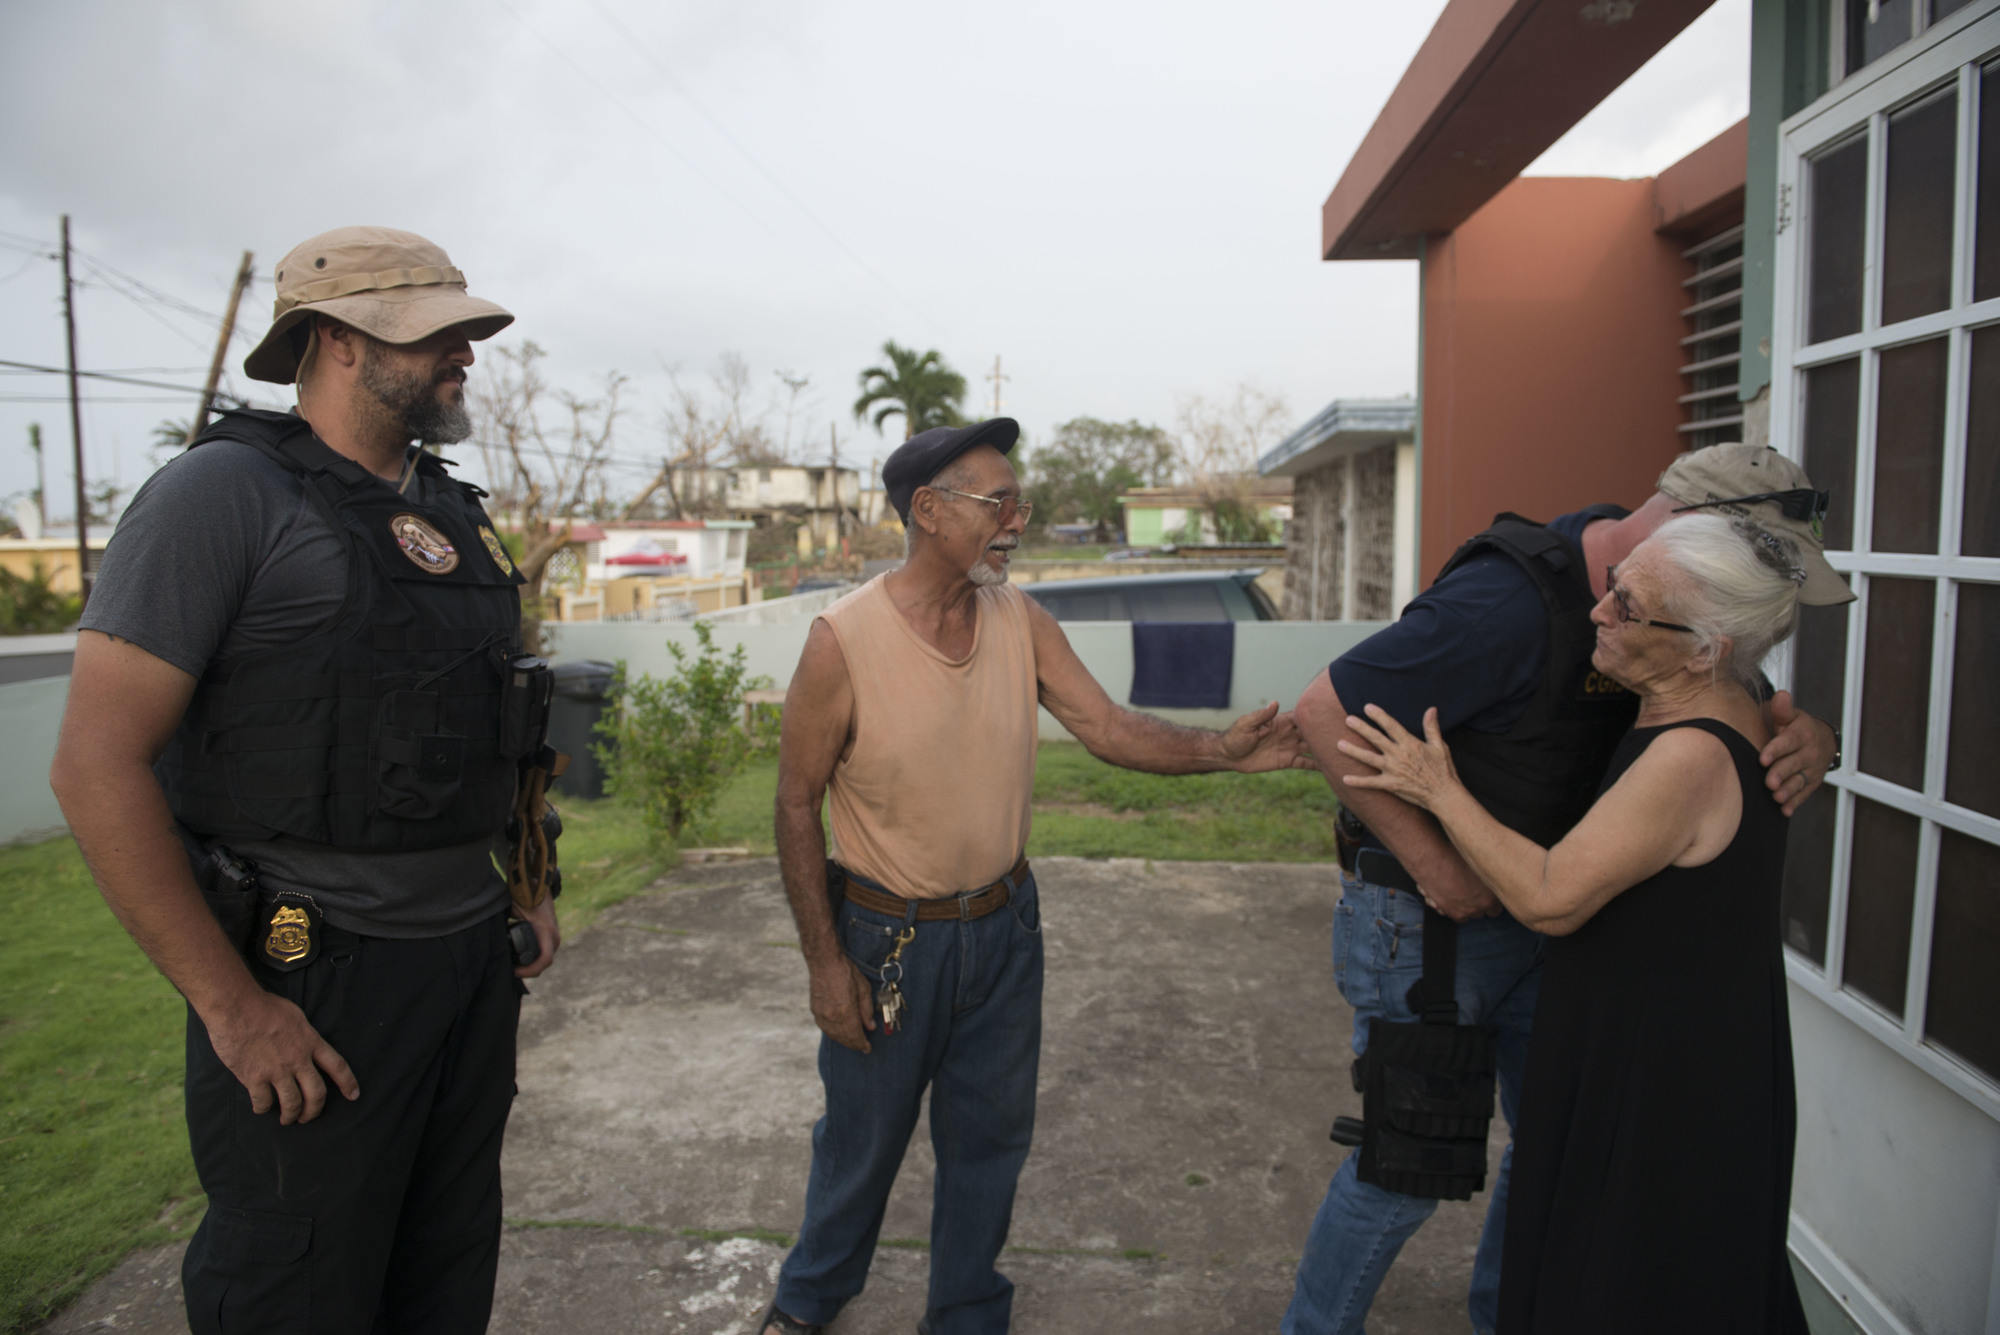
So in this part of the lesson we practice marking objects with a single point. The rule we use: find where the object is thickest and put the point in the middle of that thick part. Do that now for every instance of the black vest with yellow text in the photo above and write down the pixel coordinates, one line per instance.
(1542, 774)
(379, 731)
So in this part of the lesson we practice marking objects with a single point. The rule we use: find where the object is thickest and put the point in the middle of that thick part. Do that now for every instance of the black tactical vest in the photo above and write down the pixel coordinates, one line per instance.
(379, 731)
(1542, 774)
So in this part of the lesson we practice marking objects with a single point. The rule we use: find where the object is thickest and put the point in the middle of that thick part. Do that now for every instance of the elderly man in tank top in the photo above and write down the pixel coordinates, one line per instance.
(914, 703)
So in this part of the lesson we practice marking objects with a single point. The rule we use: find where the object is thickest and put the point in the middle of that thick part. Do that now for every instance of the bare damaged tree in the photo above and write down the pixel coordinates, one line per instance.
(704, 429)
(1220, 441)
(541, 476)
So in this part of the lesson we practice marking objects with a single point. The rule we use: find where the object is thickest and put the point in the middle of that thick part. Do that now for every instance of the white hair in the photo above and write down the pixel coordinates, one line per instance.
(1739, 585)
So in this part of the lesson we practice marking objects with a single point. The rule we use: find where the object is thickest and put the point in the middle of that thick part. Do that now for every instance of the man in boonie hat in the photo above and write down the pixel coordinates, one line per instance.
(1501, 645)
(388, 315)
(299, 720)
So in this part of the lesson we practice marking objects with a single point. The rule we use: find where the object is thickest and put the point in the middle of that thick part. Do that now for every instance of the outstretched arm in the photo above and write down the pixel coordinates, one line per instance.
(819, 712)
(1261, 740)
(1678, 802)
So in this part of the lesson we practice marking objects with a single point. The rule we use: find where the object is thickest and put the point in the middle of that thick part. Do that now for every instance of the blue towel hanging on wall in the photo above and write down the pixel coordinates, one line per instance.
(1183, 664)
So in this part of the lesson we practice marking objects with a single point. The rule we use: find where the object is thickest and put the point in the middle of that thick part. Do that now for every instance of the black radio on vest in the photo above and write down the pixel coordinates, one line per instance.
(382, 730)
(1427, 1087)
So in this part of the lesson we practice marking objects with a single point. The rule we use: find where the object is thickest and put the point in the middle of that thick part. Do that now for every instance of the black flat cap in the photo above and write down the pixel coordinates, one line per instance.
(924, 455)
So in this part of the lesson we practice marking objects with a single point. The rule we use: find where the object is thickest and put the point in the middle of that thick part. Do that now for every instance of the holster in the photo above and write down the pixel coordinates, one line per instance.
(532, 874)
(228, 885)
(1427, 1087)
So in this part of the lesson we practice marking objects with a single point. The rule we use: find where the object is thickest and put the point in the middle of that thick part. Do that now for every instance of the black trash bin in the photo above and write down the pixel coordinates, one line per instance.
(581, 694)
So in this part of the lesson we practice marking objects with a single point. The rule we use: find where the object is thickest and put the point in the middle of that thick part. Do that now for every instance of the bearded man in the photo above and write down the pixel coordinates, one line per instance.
(915, 702)
(287, 755)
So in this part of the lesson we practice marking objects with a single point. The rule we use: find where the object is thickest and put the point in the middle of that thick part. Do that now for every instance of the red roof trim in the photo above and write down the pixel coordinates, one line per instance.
(1495, 83)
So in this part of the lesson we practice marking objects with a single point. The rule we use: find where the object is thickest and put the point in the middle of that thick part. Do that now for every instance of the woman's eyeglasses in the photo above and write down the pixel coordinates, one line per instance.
(1007, 506)
(1625, 612)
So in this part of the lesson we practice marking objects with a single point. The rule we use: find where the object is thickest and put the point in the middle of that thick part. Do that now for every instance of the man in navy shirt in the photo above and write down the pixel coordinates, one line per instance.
(1477, 645)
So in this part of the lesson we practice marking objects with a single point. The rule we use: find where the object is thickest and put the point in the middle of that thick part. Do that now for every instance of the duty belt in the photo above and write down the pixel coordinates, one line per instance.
(972, 904)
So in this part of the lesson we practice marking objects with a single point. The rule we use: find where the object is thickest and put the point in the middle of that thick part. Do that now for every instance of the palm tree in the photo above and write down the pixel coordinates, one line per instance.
(918, 386)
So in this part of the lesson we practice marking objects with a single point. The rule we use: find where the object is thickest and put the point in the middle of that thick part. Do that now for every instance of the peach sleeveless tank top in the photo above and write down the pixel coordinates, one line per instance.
(933, 797)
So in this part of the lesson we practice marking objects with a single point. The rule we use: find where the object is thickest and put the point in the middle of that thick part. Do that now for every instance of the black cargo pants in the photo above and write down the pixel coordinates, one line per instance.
(380, 1215)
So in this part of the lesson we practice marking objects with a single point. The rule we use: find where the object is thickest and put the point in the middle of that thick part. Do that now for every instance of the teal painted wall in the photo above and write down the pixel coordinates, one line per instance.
(1788, 63)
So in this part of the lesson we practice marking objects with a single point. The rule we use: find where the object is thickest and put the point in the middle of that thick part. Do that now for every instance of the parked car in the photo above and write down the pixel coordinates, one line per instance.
(1198, 595)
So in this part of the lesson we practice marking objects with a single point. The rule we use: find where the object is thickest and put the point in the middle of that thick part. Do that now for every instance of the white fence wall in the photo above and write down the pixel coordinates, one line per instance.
(1274, 659)
(30, 716)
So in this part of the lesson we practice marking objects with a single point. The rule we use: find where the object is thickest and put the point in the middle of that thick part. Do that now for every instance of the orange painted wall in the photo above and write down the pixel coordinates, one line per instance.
(1551, 358)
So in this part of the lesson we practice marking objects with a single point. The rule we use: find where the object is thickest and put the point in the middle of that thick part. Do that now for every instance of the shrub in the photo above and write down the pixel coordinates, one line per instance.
(671, 746)
(28, 606)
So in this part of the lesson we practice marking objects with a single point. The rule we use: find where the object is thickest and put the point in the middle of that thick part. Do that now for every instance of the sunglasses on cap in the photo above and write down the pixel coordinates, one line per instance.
(1801, 503)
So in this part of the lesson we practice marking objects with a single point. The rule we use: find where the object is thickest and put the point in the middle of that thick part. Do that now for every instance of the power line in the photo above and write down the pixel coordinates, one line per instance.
(98, 375)
(64, 398)
(679, 88)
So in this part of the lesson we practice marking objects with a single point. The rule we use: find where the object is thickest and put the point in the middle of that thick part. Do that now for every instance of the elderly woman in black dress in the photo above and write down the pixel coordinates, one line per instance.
(1653, 1156)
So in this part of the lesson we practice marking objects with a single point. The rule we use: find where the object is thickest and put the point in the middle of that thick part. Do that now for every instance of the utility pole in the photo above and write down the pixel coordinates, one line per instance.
(221, 349)
(996, 378)
(839, 507)
(41, 485)
(76, 423)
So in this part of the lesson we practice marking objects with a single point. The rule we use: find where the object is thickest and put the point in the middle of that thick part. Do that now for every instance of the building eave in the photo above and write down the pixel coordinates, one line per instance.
(1493, 86)
(1345, 426)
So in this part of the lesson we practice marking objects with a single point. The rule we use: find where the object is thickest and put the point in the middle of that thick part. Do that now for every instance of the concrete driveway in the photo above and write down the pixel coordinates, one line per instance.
(1195, 1053)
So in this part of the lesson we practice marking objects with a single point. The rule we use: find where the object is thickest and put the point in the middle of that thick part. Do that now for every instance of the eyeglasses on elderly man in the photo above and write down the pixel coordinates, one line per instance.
(1006, 506)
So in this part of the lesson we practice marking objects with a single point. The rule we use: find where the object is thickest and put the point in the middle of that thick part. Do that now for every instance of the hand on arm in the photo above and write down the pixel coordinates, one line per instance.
(1411, 834)
(819, 711)
(123, 707)
(1259, 741)
(1677, 803)
(1800, 752)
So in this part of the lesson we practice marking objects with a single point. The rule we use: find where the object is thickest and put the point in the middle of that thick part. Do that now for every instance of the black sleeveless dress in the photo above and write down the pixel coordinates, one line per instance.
(1652, 1168)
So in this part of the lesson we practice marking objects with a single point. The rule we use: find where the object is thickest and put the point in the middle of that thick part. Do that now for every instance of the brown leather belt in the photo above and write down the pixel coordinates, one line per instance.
(972, 904)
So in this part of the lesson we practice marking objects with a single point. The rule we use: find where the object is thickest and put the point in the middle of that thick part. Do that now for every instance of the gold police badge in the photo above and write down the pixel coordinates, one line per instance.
(496, 550)
(290, 937)
(423, 544)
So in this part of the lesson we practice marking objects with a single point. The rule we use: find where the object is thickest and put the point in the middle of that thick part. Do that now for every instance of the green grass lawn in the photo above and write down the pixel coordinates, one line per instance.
(93, 1153)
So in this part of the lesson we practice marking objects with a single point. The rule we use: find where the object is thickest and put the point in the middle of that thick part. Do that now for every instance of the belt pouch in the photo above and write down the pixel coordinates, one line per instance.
(1427, 1087)
(836, 885)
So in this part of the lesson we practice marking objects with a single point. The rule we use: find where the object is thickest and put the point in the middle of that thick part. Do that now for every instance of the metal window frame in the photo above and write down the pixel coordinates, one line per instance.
(1949, 54)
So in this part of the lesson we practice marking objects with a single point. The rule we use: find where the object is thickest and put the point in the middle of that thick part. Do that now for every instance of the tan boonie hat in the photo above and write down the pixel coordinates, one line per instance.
(393, 285)
(1761, 485)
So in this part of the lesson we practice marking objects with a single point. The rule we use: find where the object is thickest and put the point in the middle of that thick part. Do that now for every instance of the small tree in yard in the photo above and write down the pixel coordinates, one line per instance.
(671, 746)
(30, 606)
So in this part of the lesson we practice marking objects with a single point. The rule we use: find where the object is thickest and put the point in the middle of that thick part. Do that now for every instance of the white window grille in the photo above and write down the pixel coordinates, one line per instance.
(1886, 386)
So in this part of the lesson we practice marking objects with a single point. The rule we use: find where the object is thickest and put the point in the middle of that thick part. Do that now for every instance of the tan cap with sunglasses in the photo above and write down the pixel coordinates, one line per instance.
(1757, 483)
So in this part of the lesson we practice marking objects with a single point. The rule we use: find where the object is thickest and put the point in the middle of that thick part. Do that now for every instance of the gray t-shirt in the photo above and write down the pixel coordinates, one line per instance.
(222, 553)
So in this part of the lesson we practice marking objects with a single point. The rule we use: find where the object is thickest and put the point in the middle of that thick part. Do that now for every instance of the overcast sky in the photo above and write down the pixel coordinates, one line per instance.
(1119, 200)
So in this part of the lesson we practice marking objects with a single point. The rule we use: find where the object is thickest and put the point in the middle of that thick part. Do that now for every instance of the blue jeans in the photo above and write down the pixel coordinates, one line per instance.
(972, 1032)
(1378, 951)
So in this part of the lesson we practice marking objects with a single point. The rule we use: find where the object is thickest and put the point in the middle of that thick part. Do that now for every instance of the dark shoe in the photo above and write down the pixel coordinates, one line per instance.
(786, 1325)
